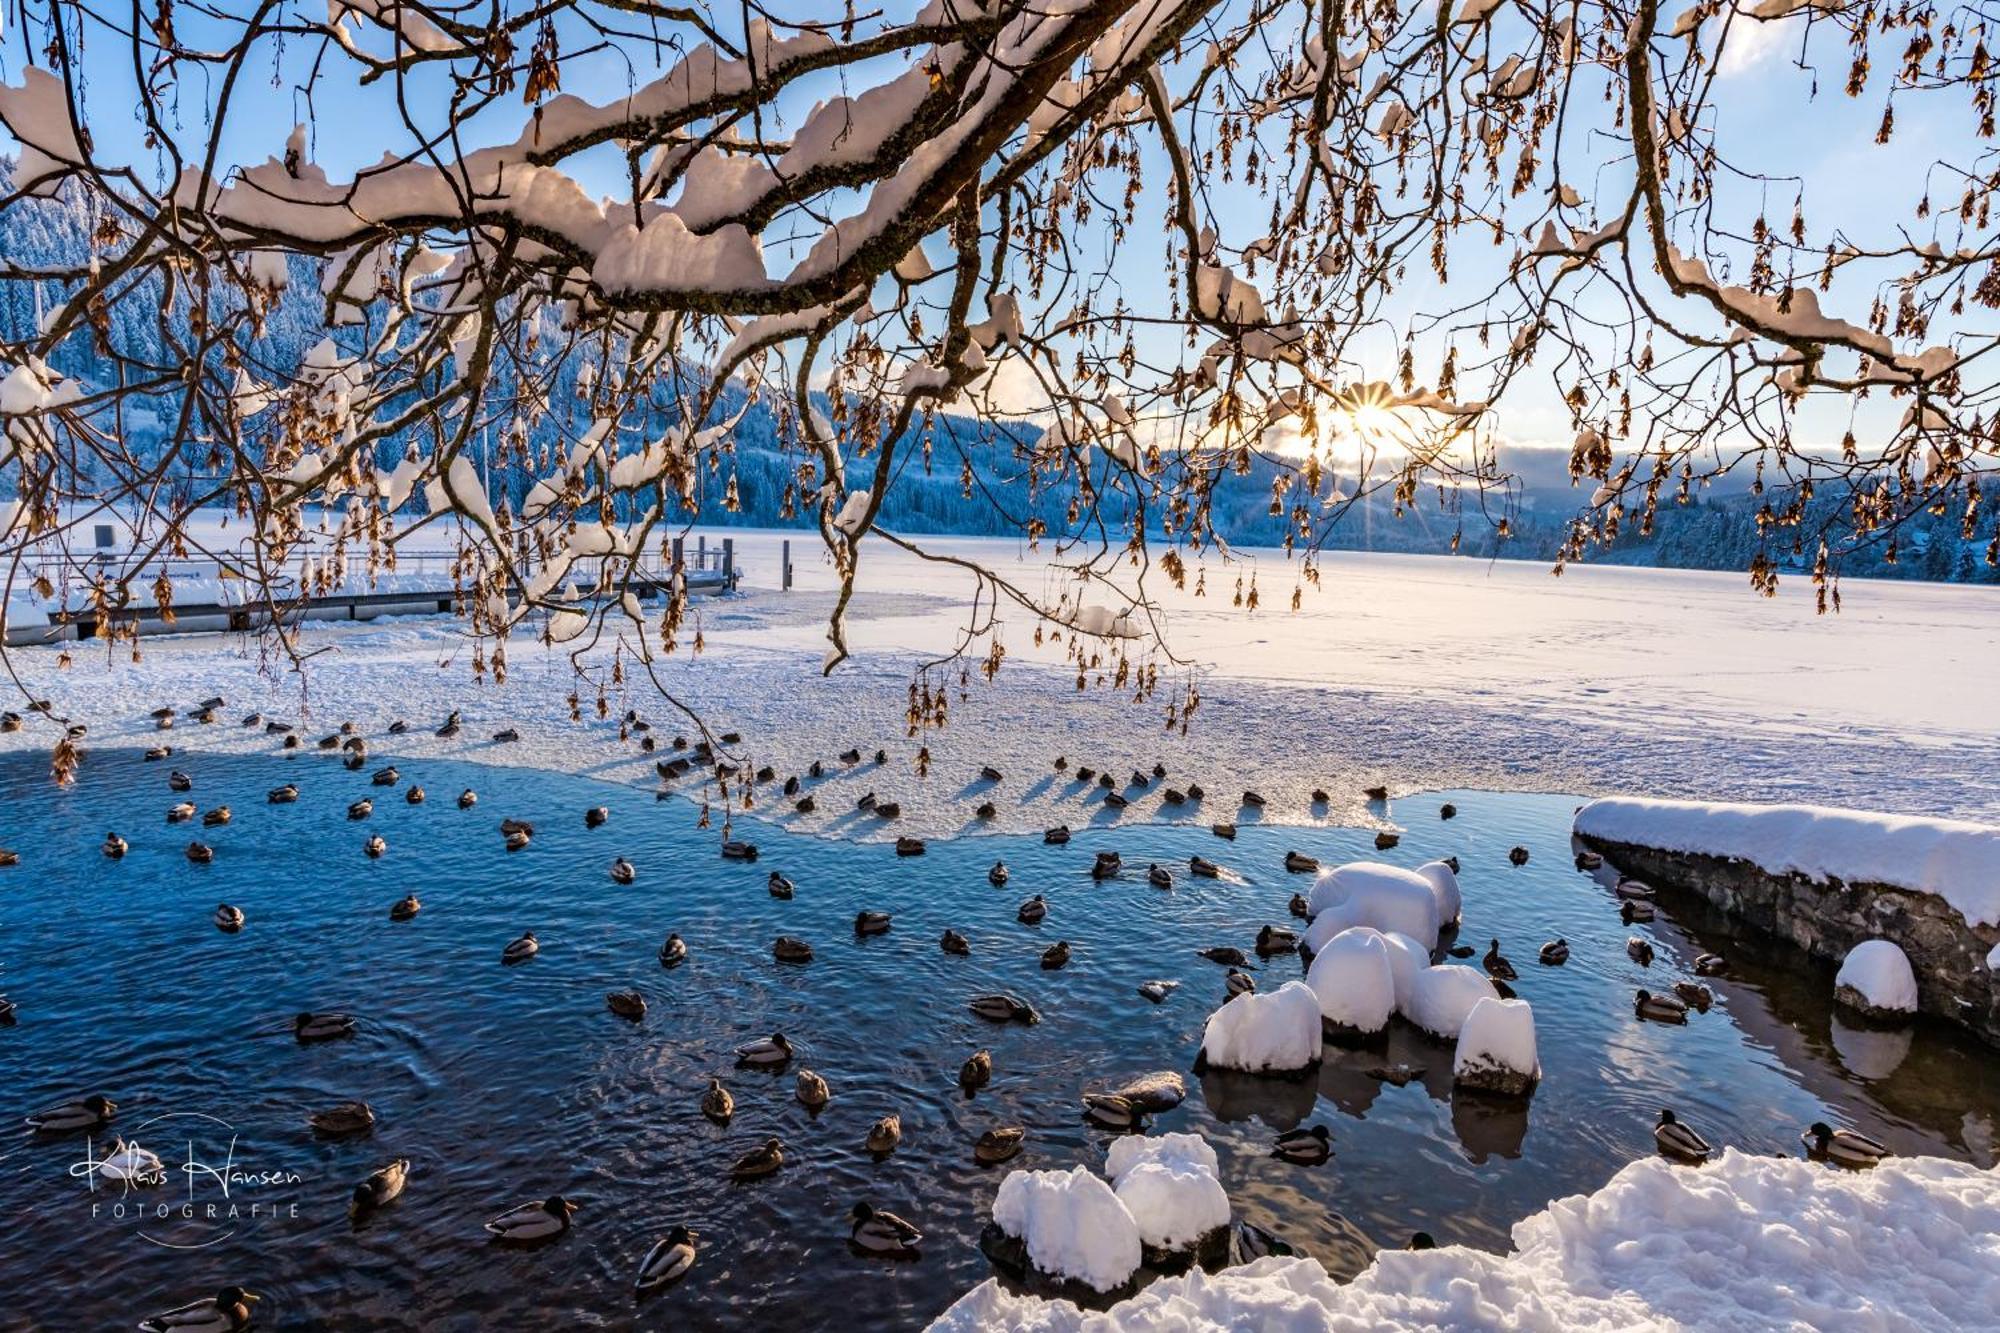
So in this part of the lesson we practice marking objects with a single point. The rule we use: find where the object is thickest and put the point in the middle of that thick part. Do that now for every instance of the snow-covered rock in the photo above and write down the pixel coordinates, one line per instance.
(1368, 893)
(1444, 887)
(1354, 982)
(1407, 961)
(1876, 979)
(1496, 1048)
(1072, 1225)
(1265, 1032)
(1170, 1186)
(1443, 998)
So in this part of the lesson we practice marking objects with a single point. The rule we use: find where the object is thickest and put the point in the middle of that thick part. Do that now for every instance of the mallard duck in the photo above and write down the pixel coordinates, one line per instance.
(1659, 1008)
(275, 728)
(1223, 831)
(92, 1112)
(1056, 836)
(1307, 1147)
(506, 735)
(866, 801)
(380, 1187)
(1639, 951)
(1588, 861)
(1113, 801)
(759, 1161)
(716, 1103)
(1555, 953)
(909, 846)
(413, 796)
(1842, 1147)
(467, 799)
(788, 949)
(342, 1120)
(288, 794)
(976, 1072)
(1300, 864)
(668, 1261)
(322, 1027)
(1159, 876)
(1255, 800)
(997, 876)
(1194, 791)
(216, 818)
(181, 813)
(130, 1164)
(522, 949)
(779, 886)
(1518, 856)
(1635, 890)
(1106, 865)
(622, 871)
(115, 847)
(597, 816)
(769, 1052)
(871, 923)
(1384, 840)
(806, 805)
(1254, 1242)
(375, 847)
(179, 781)
(200, 853)
(626, 1004)
(1226, 954)
(1238, 983)
(1203, 868)
(885, 1135)
(998, 1144)
(361, 809)
(1634, 912)
(386, 777)
(1004, 1009)
(1679, 1142)
(812, 1090)
(1710, 965)
(540, 1219)
(1084, 774)
(883, 1233)
(1272, 940)
(955, 944)
(888, 810)
(1056, 956)
(405, 907)
(10, 721)
(850, 756)
(1111, 1110)
(1158, 991)
(228, 1312)
(735, 850)
(674, 950)
(1033, 910)
(517, 840)
(1173, 796)
(512, 825)
(1447, 811)
(398, 727)
(7, 1011)
(228, 918)
(1497, 965)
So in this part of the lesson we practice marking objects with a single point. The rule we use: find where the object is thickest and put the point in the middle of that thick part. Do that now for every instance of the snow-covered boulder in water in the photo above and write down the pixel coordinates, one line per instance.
(1496, 1048)
(1444, 887)
(1169, 1185)
(1444, 997)
(1354, 982)
(1070, 1226)
(1368, 893)
(1876, 980)
(1259, 1033)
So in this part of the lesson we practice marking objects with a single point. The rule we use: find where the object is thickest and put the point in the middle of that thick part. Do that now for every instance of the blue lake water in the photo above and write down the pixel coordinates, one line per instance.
(501, 1084)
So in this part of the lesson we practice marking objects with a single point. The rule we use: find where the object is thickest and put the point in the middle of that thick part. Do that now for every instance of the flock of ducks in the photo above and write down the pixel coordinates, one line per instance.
(871, 1230)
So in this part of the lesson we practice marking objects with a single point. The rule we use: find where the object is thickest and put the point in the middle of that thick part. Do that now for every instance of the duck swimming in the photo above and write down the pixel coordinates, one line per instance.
(909, 847)
(216, 818)
(179, 781)
(976, 1072)
(1159, 877)
(771, 1052)
(228, 1312)
(1158, 991)
(1843, 1147)
(375, 846)
(884, 1135)
(361, 809)
(997, 876)
(517, 840)
(541, 1219)
(1276, 940)
(1497, 965)
(871, 923)
(1588, 861)
(130, 1164)
(999, 1144)
(1238, 983)
(115, 847)
(92, 1112)
(180, 814)
(812, 1090)
(386, 777)
(1639, 951)
(1203, 868)
(1679, 1142)
(1056, 956)
(344, 1119)
(1518, 856)
(1307, 1147)
(1056, 836)
(883, 1233)
(200, 853)
(414, 796)
(1659, 1008)
(522, 949)
(759, 1161)
(1300, 864)
(228, 919)
(788, 949)
(622, 871)
(1226, 832)
(1226, 954)
(1001, 1008)
(309, 1027)
(955, 944)
(381, 1187)
(668, 1261)
(1631, 911)
(1110, 1110)
(1106, 865)
(779, 886)
(467, 799)
(596, 817)
(1555, 953)
(735, 850)
(1710, 965)
(673, 951)
(626, 1004)
(1032, 911)
(716, 1103)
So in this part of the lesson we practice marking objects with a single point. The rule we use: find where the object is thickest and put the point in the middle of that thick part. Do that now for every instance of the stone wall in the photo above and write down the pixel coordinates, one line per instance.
(1826, 918)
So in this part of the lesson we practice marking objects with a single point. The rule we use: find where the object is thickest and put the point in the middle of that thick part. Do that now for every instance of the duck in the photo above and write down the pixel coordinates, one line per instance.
(909, 846)
(1497, 965)
(770, 1052)
(1084, 774)
(1589, 861)
(986, 810)
(883, 1233)
(375, 846)
(1174, 796)
(7, 1009)
(181, 813)
(322, 1027)
(1679, 1142)
(668, 1261)
(1111, 1110)
(511, 825)
(1461, 951)
(622, 871)
(998, 1144)
(1226, 954)
(506, 735)
(626, 1004)
(386, 777)
(361, 809)
(850, 756)
(759, 1161)
(1447, 811)
(1710, 965)
(1227, 832)
(1518, 856)
(414, 796)
(216, 818)
(1633, 889)
(1255, 800)
(1033, 910)
(1694, 995)
(1842, 1147)
(1159, 876)
(806, 805)
(1384, 840)
(467, 799)
(1056, 956)
(1239, 983)
(159, 752)
(997, 876)
(976, 1072)
(540, 1219)
(228, 919)
(1254, 1242)
(398, 727)
(1300, 864)
(812, 1090)
(674, 950)
(380, 1187)
(1113, 801)
(871, 923)
(1307, 1147)
(179, 781)
(1056, 836)
(92, 1112)
(450, 726)
(1555, 953)
(1632, 912)
(788, 949)
(227, 1312)
(884, 1135)
(115, 847)
(522, 949)
(1276, 940)
(779, 886)
(517, 840)
(717, 1103)
(1002, 1008)
(1203, 868)
(344, 1119)
(736, 850)
(1639, 951)
(1158, 991)
(1659, 1008)
(596, 817)
(200, 853)
(1194, 791)
(955, 944)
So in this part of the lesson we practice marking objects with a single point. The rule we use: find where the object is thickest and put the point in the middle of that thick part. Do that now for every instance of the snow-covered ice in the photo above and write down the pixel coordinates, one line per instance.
(1265, 1031)
(1072, 1223)
(1444, 886)
(1354, 981)
(1496, 1047)
(1369, 893)
(1170, 1185)
(1876, 978)
(1444, 997)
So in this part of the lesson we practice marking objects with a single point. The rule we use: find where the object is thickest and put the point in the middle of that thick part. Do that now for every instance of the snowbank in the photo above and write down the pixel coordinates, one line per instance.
(1169, 1185)
(1258, 1032)
(1496, 1048)
(1354, 982)
(1957, 861)
(1444, 997)
(1444, 887)
(1368, 893)
(1073, 1225)
(1876, 978)
(1744, 1242)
